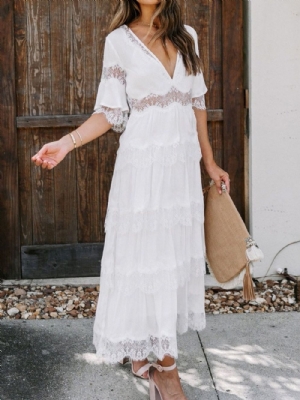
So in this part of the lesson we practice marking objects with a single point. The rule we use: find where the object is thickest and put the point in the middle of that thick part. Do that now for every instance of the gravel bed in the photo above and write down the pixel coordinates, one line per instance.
(70, 302)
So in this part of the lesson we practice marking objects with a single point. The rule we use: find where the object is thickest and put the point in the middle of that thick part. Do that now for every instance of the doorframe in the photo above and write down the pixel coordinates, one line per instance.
(233, 99)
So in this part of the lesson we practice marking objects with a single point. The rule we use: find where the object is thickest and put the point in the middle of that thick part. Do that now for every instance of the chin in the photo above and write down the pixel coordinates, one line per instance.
(148, 2)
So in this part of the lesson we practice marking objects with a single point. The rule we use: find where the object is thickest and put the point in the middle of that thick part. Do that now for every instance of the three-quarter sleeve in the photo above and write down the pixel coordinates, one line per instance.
(199, 88)
(111, 97)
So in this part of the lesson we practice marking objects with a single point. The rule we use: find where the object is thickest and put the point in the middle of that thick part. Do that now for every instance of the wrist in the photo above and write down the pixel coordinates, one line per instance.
(67, 143)
(209, 164)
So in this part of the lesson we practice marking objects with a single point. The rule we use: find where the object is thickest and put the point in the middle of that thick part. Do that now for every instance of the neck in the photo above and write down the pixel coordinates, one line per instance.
(147, 12)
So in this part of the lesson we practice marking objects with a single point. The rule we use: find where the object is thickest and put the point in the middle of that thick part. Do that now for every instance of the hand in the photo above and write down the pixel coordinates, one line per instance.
(218, 175)
(52, 153)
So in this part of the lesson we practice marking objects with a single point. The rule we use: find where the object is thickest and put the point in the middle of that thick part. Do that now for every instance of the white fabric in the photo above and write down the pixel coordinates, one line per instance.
(153, 263)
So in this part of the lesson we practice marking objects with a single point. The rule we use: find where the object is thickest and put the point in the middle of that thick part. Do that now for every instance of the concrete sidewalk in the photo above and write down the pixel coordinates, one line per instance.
(238, 356)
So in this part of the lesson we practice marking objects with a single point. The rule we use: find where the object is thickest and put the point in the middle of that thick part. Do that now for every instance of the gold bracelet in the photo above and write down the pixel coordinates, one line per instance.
(79, 136)
(73, 139)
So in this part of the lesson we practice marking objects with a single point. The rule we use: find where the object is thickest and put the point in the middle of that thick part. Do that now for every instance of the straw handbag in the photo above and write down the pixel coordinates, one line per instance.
(229, 247)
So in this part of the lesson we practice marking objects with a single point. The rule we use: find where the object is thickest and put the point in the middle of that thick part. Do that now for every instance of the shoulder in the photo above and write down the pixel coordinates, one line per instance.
(115, 36)
(191, 31)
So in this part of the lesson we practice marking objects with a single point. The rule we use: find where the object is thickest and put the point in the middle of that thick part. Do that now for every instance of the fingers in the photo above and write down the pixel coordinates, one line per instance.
(218, 185)
(38, 157)
(226, 180)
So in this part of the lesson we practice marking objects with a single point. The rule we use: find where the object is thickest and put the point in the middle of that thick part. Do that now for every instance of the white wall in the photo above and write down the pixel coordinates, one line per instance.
(274, 85)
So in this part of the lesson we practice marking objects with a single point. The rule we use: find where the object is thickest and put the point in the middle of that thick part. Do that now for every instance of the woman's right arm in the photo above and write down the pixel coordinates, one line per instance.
(53, 153)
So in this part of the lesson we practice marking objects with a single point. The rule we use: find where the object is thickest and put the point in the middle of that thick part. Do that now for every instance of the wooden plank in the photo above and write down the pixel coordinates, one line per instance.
(215, 97)
(108, 143)
(87, 158)
(59, 121)
(21, 64)
(51, 121)
(233, 100)
(24, 135)
(42, 194)
(25, 152)
(39, 57)
(9, 210)
(61, 57)
(65, 199)
(60, 261)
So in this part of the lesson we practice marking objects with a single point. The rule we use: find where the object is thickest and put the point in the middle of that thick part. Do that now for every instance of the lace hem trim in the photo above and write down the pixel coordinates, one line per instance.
(112, 352)
(161, 277)
(150, 220)
(115, 116)
(115, 72)
(199, 102)
(164, 155)
(135, 349)
(163, 101)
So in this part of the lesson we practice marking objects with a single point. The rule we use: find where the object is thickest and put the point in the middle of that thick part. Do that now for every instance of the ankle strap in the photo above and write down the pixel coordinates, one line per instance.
(160, 368)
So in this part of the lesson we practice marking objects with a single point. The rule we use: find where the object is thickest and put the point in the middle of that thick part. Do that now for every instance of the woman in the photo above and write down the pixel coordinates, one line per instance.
(152, 270)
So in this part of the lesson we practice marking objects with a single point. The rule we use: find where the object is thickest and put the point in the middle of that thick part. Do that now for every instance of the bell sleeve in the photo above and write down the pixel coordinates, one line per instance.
(111, 98)
(199, 88)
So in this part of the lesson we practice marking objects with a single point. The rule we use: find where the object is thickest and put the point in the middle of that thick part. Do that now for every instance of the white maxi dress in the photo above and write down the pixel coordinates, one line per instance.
(153, 262)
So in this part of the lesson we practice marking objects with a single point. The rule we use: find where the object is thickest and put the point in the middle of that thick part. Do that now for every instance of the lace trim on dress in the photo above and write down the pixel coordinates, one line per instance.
(112, 352)
(115, 116)
(135, 40)
(163, 101)
(165, 277)
(114, 72)
(150, 220)
(165, 156)
(136, 349)
(199, 102)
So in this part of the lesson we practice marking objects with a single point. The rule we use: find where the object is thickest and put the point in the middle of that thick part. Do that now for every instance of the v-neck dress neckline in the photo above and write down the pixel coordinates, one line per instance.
(151, 54)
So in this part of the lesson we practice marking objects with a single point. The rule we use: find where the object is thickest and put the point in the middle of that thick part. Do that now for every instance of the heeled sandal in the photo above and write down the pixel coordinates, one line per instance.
(140, 372)
(154, 390)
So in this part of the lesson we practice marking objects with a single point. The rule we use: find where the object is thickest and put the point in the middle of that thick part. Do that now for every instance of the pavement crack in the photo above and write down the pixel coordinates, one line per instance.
(208, 366)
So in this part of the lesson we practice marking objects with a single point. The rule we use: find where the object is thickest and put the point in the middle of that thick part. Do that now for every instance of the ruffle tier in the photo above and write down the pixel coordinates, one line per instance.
(153, 263)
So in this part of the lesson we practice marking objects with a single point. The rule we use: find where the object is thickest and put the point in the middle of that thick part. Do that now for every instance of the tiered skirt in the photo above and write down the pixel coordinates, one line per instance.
(153, 263)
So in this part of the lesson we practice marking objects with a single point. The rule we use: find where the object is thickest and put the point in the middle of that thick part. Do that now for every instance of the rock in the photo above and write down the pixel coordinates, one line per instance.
(90, 289)
(88, 304)
(260, 300)
(70, 307)
(73, 313)
(207, 302)
(13, 311)
(79, 316)
(26, 315)
(216, 312)
(19, 292)
(21, 307)
(53, 314)
(59, 309)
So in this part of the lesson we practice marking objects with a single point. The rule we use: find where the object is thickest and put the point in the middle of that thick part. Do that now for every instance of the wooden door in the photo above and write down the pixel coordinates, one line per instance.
(52, 222)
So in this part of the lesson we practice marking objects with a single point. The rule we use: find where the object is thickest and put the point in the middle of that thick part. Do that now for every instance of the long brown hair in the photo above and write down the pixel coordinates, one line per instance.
(171, 27)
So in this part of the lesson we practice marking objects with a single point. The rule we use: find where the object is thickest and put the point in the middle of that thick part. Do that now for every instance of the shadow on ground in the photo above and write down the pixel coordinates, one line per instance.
(254, 357)
(55, 359)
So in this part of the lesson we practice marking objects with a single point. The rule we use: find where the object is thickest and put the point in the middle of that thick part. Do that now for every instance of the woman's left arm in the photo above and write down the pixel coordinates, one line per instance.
(214, 171)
